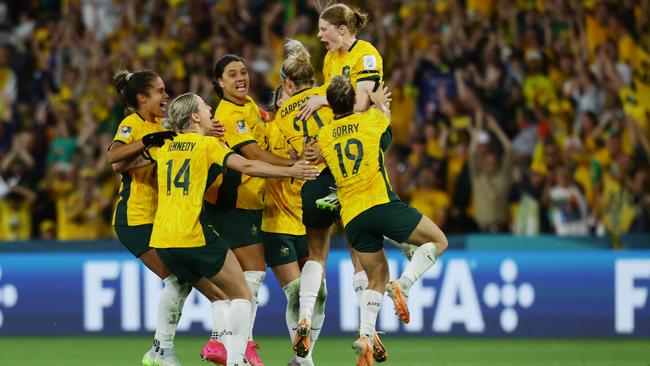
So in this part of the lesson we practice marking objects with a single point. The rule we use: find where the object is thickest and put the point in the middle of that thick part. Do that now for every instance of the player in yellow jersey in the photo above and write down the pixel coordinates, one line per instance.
(353, 58)
(283, 233)
(356, 59)
(298, 80)
(143, 93)
(351, 147)
(237, 215)
(186, 241)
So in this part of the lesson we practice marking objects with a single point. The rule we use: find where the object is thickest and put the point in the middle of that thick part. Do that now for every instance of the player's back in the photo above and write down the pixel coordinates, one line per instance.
(297, 130)
(186, 167)
(352, 149)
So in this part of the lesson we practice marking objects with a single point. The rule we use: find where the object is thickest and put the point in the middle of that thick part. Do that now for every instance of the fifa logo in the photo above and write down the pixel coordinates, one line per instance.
(509, 295)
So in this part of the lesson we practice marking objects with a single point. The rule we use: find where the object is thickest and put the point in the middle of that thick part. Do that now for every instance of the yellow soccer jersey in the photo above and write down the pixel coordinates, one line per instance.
(137, 202)
(186, 167)
(351, 147)
(282, 200)
(296, 130)
(244, 125)
(361, 62)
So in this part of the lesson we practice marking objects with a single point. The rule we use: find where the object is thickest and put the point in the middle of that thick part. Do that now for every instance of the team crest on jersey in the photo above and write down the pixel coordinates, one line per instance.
(125, 131)
(346, 72)
(241, 126)
(284, 251)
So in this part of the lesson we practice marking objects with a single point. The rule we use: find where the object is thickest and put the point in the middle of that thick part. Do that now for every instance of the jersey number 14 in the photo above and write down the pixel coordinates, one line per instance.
(182, 178)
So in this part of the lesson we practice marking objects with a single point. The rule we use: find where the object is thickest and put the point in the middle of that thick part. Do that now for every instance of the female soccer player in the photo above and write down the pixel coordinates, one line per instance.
(283, 234)
(143, 93)
(361, 63)
(351, 147)
(187, 242)
(237, 215)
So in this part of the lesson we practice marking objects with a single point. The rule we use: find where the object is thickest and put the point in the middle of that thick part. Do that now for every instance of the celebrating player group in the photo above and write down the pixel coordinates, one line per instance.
(210, 200)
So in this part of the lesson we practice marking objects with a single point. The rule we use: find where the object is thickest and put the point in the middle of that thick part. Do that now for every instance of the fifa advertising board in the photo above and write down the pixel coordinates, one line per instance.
(598, 293)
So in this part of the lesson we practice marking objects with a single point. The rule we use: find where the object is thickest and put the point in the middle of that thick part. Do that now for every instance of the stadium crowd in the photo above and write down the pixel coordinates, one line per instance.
(508, 116)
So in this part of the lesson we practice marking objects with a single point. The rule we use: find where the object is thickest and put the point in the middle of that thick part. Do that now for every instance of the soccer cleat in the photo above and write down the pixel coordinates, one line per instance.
(149, 357)
(251, 354)
(302, 339)
(215, 352)
(363, 352)
(395, 292)
(329, 202)
(166, 357)
(379, 352)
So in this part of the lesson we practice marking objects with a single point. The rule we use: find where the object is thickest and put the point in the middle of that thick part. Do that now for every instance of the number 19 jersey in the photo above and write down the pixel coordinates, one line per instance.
(186, 167)
(352, 150)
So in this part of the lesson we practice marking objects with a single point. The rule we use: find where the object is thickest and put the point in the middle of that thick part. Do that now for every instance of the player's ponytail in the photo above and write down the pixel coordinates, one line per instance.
(219, 67)
(297, 67)
(130, 84)
(360, 20)
(179, 112)
(341, 14)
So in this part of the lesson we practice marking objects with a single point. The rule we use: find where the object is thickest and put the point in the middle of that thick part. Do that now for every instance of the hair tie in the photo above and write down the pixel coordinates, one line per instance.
(128, 76)
(283, 74)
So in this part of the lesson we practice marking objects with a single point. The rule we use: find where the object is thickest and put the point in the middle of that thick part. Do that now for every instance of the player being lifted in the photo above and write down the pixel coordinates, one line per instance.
(185, 239)
(351, 147)
(356, 59)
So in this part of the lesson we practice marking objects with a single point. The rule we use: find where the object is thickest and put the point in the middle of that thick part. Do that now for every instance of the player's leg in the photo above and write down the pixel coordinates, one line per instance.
(215, 349)
(251, 260)
(136, 240)
(431, 242)
(232, 281)
(376, 267)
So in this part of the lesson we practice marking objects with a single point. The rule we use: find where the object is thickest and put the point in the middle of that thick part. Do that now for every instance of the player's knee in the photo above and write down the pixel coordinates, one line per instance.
(441, 242)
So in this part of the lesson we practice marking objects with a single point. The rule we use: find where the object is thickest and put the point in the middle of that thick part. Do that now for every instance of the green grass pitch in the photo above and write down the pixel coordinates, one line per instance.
(98, 351)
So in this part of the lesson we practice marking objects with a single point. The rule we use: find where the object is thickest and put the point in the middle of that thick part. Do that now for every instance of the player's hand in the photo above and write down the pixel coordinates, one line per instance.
(311, 150)
(381, 97)
(304, 170)
(158, 138)
(293, 153)
(217, 129)
(311, 105)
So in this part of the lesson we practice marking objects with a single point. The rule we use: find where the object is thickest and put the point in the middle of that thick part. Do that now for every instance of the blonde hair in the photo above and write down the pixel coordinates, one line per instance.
(341, 14)
(341, 95)
(179, 111)
(297, 67)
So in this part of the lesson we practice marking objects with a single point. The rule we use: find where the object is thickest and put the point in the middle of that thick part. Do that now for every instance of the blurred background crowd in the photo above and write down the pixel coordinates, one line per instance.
(508, 116)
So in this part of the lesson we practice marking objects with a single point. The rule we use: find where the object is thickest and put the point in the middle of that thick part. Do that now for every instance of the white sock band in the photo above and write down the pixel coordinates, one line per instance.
(370, 305)
(360, 283)
(423, 258)
(238, 330)
(170, 307)
(310, 281)
(220, 310)
(292, 292)
(254, 280)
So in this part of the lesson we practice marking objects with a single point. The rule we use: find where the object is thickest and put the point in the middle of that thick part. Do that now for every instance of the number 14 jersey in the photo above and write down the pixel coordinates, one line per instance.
(186, 167)
(352, 150)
